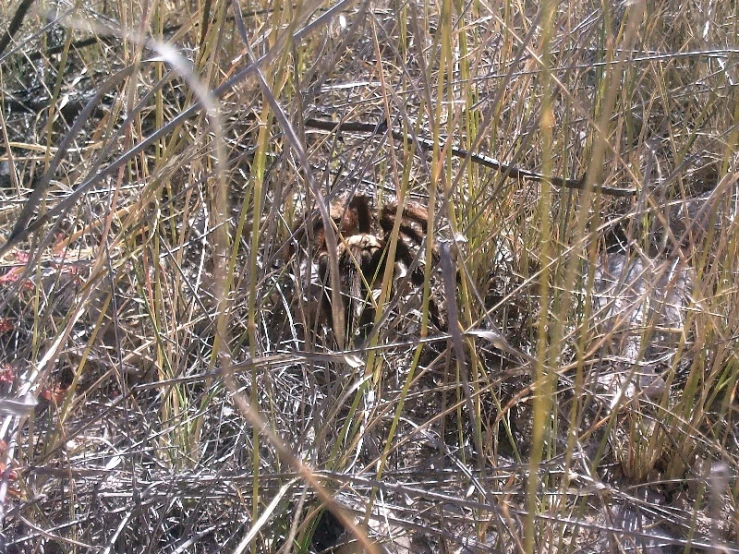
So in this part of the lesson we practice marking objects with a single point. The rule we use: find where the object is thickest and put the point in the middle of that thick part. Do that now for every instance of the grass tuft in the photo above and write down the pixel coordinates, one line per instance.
(564, 378)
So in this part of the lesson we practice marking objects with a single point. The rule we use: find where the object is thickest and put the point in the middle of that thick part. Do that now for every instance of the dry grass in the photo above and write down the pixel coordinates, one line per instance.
(155, 162)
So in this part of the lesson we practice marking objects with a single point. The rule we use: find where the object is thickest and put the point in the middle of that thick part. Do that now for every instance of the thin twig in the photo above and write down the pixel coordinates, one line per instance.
(15, 24)
(482, 159)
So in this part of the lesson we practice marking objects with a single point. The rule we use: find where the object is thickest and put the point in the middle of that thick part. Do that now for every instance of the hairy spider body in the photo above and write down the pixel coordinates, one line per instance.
(413, 228)
(362, 256)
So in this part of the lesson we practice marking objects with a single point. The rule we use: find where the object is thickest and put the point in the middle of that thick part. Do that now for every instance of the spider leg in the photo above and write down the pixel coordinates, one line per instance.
(413, 228)
(358, 256)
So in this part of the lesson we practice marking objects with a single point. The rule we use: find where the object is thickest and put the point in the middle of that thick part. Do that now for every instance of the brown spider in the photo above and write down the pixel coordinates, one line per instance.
(362, 256)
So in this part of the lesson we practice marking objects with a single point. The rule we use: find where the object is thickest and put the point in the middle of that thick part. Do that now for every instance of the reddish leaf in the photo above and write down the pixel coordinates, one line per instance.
(7, 374)
(12, 474)
(13, 275)
(21, 256)
(54, 395)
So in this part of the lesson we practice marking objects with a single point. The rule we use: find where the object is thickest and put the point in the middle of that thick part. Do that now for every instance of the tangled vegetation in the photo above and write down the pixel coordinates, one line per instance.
(531, 347)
